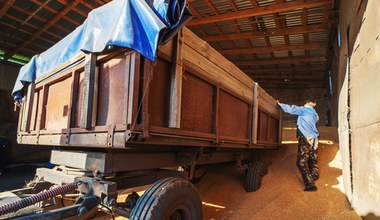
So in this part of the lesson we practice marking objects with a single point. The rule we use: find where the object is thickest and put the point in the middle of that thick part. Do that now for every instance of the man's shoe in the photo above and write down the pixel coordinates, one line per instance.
(310, 187)
(315, 177)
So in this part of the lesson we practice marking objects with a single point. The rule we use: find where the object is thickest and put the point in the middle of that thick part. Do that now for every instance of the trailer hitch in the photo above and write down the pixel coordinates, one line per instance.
(86, 203)
(80, 208)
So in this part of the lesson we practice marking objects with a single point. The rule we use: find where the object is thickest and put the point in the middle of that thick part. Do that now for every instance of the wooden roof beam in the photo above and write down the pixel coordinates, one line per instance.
(310, 46)
(277, 8)
(284, 85)
(33, 26)
(280, 61)
(45, 27)
(286, 76)
(292, 81)
(6, 7)
(26, 32)
(286, 70)
(54, 11)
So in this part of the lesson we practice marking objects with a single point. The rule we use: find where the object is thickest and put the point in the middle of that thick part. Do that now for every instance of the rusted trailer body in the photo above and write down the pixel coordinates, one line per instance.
(122, 121)
(190, 96)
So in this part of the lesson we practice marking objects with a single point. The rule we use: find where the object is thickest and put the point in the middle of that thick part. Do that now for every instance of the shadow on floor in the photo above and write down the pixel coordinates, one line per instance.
(17, 176)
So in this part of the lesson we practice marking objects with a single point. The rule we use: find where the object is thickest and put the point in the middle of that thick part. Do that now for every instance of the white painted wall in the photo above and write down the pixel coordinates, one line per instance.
(364, 92)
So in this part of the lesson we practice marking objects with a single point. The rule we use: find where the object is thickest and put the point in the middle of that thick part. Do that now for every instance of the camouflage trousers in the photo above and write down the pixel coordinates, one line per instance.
(307, 159)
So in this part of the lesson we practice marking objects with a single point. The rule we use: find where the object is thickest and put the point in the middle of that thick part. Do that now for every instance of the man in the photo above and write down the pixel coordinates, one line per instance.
(307, 135)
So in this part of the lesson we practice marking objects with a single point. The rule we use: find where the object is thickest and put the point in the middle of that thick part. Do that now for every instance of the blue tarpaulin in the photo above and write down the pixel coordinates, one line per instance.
(137, 24)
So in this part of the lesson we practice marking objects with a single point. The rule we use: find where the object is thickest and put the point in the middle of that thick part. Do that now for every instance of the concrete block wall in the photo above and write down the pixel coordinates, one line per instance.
(298, 97)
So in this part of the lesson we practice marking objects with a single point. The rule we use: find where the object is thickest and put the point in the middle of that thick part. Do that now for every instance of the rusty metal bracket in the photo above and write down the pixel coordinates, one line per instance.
(105, 190)
(110, 136)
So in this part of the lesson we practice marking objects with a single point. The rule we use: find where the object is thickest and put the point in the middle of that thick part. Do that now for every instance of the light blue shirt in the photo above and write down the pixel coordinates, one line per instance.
(306, 121)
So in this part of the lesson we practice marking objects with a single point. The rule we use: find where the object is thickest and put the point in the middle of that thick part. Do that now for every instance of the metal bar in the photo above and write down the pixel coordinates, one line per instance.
(88, 91)
(57, 214)
(19, 128)
(255, 114)
(131, 87)
(216, 116)
(95, 97)
(176, 83)
(28, 108)
(279, 136)
(148, 70)
(42, 119)
(71, 104)
(146, 177)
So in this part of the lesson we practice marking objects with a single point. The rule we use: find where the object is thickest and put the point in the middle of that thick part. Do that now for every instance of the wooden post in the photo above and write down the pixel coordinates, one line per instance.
(131, 88)
(27, 108)
(216, 116)
(148, 72)
(176, 83)
(255, 113)
(21, 111)
(280, 129)
(88, 91)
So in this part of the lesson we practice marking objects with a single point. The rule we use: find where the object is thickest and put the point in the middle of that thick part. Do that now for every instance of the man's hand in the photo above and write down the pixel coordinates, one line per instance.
(278, 102)
(17, 104)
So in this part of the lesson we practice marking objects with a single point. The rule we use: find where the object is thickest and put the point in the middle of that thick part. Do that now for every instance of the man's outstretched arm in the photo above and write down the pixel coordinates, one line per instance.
(291, 109)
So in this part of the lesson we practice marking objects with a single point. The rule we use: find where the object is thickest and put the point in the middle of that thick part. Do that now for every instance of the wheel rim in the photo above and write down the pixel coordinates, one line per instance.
(180, 213)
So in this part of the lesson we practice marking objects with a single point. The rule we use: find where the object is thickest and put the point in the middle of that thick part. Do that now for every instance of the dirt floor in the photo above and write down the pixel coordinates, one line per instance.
(281, 195)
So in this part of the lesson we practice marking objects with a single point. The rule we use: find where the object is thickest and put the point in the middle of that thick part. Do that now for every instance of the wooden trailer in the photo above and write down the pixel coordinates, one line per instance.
(118, 116)
(191, 95)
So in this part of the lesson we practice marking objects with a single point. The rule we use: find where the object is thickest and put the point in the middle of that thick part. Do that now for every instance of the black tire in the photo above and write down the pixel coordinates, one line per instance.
(169, 198)
(254, 175)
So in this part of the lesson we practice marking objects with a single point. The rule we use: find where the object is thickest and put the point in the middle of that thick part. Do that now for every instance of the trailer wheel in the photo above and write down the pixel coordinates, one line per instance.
(169, 198)
(254, 176)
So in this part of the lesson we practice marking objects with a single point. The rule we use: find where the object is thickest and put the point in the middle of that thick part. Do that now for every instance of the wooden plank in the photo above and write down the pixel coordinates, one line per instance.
(148, 72)
(127, 72)
(52, 139)
(267, 33)
(196, 61)
(74, 85)
(166, 50)
(216, 115)
(136, 88)
(290, 69)
(267, 103)
(280, 129)
(255, 114)
(211, 55)
(95, 98)
(260, 11)
(29, 139)
(280, 61)
(21, 117)
(176, 83)
(88, 91)
(6, 5)
(28, 106)
(179, 132)
(288, 76)
(132, 72)
(42, 116)
(89, 139)
(309, 46)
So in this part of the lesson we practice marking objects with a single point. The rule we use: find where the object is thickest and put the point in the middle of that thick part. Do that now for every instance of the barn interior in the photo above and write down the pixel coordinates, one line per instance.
(295, 49)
